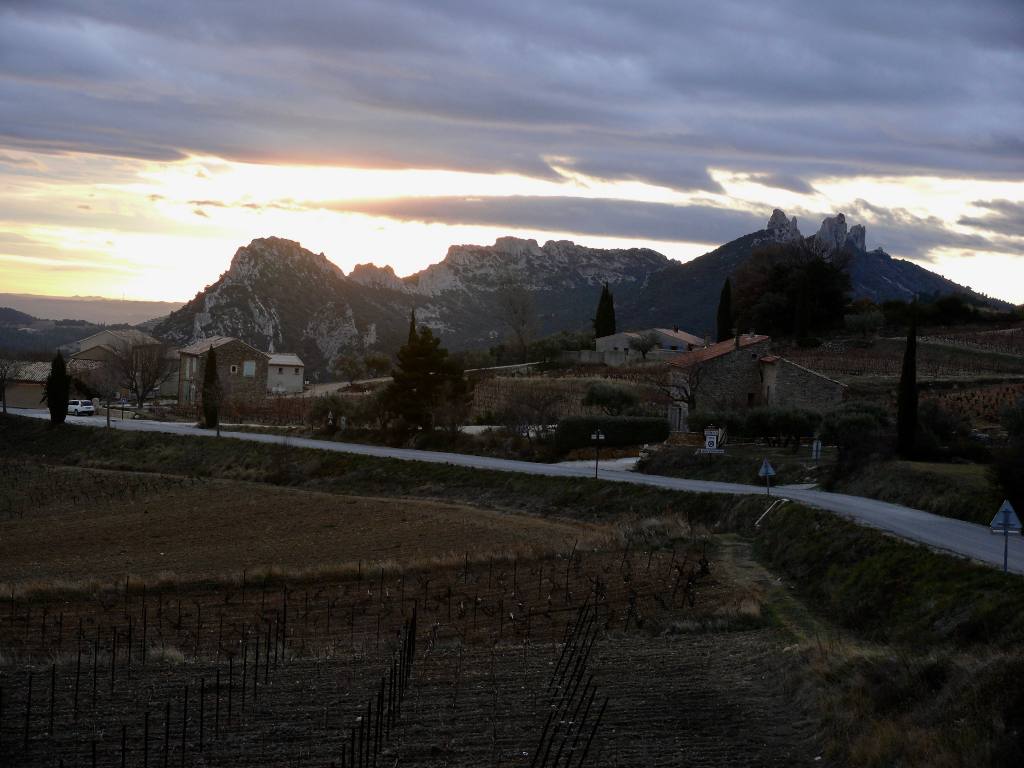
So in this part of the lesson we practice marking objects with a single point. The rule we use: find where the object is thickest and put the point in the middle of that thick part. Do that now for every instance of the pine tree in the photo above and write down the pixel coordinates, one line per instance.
(211, 392)
(604, 319)
(412, 328)
(906, 415)
(724, 319)
(423, 378)
(57, 390)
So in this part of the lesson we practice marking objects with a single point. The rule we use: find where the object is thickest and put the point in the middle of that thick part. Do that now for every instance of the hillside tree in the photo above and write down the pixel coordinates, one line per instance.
(349, 367)
(8, 371)
(724, 318)
(57, 390)
(212, 392)
(906, 403)
(604, 318)
(515, 309)
(141, 368)
(644, 343)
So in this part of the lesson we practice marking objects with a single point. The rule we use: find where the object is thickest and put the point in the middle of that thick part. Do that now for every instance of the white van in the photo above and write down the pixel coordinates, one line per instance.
(81, 407)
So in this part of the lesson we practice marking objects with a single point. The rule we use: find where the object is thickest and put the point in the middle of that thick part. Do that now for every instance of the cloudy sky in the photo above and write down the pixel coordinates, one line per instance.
(142, 143)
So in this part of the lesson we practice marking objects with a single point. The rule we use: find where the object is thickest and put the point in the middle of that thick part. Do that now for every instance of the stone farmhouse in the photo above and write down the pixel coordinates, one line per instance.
(743, 373)
(241, 369)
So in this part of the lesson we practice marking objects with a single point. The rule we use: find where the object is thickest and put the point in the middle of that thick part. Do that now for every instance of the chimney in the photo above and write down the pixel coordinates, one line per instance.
(736, 337)
(707, 339)
(675, 328)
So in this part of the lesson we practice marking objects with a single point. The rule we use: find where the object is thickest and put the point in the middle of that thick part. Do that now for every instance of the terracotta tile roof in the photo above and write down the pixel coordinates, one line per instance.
(202, 346)
(286, 358)
(704, 354)
(37, 372)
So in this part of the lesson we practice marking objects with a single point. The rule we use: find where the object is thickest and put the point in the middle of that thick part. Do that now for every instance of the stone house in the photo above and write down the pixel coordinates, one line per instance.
(743, 373)
(241, 368)
(285, 374)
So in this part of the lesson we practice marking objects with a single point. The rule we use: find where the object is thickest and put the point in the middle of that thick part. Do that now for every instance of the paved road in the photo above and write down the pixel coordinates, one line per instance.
(954, 536)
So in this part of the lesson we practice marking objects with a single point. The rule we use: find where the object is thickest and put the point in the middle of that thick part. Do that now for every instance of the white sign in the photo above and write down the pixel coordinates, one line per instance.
(766, 469)
(711, 439)
(1006, 519)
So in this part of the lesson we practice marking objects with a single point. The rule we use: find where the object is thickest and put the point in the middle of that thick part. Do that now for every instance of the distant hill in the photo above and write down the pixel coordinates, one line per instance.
(282, 297)
(93, 309)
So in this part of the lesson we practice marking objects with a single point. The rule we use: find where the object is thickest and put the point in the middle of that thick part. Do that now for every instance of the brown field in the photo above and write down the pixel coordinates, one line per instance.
(71, 524)
(670, 660)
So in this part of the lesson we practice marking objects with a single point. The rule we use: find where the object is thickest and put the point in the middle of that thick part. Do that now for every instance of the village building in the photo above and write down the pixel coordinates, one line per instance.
(621, 348)
(104, 347)
(25, 386)
(241, 369)
(743, 373)
(285, 374)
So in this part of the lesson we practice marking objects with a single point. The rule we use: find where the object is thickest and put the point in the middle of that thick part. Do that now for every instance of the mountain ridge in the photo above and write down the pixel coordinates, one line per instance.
(281, 297)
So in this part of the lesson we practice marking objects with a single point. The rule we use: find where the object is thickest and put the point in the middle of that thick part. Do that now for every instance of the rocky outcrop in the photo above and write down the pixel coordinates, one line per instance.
(857, 237)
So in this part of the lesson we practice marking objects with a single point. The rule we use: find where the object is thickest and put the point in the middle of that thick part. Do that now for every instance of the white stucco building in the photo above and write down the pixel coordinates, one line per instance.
(285, 374)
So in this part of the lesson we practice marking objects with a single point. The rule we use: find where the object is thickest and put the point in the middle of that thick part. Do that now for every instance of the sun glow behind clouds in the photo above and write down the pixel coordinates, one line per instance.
(76, 224)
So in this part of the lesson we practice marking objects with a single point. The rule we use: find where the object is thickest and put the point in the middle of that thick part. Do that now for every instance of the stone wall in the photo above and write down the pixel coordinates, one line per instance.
(732, 380)
(557, 397)
(788, 385)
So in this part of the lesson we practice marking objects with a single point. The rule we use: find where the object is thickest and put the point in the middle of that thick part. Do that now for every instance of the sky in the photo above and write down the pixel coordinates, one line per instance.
(142, 143)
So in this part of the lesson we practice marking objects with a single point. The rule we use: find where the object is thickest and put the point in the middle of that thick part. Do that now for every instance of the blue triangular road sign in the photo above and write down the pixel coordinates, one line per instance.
(1006, 518)
(766, 469)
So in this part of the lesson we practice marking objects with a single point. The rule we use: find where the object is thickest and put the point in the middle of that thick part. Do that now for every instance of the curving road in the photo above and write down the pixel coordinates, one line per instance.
(954, 536)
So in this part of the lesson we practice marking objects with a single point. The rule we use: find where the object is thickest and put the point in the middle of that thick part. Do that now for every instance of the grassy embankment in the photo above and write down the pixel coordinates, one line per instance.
(926, 669)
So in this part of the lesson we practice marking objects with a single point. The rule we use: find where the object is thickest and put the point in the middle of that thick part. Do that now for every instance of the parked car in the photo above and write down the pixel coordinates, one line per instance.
(81, 407)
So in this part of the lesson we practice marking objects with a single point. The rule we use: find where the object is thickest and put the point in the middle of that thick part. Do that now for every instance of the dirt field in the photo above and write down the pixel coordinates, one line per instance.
(76, 525)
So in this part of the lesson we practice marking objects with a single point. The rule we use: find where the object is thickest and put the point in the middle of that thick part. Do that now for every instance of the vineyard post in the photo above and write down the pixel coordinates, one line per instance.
(113, 660)
(199, 626)
(145, 621)
(202, 711)
(131, 626)
(95, 665)
(245, 669)
(53, 691)
(231, 669)
(28, 712)
(167, 733)
(184, 723)
(216, 708)
(145, 740)
(78, 668)
(256, 669)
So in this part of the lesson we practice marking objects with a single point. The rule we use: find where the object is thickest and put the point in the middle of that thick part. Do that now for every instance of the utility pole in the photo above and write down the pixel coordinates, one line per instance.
(597, 436)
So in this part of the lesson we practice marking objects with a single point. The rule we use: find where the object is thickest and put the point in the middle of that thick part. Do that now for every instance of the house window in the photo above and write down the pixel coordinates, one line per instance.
(234, 369)
(750, 398)
(280, 370)
(249, 368)
(296, 371)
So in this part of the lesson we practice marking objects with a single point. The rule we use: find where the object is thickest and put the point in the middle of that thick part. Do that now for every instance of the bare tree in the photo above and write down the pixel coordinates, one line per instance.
(9, 368)
(644, 343)
(515, 308)
(141, 368)
(678, 385)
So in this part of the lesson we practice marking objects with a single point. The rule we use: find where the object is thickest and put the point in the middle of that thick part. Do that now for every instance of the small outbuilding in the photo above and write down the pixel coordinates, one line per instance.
(286, 373)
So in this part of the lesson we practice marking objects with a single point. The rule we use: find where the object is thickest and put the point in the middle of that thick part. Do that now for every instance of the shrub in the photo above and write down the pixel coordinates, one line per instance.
(575, 431)
(611, 398)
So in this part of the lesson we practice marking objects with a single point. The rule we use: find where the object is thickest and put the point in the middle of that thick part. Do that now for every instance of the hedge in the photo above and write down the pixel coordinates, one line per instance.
(575, 431)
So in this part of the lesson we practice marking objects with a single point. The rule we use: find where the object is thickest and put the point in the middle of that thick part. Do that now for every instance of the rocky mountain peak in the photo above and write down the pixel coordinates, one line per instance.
(833, 236)
(780, 229)
(377, 277)
(267, 256)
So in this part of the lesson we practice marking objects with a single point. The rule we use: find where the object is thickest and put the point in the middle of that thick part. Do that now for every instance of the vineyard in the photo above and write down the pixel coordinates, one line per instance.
(885, 357)
(982, 404)
(620, 646)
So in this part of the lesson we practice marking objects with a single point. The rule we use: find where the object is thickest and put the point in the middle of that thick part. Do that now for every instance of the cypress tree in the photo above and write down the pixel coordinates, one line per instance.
(412, 328)
(604, 319)
(906, 414)
(57, 390)
(211, 392)
(724, 318)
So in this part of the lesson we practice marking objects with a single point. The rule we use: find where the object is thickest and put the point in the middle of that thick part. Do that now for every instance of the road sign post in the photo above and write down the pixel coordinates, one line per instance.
(597, 436)
(767, 472)
(1006, 520)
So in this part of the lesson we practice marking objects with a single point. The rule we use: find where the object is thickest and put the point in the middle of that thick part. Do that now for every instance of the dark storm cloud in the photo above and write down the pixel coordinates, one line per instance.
(1004, 216)
(656, 90)
(617, 218)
